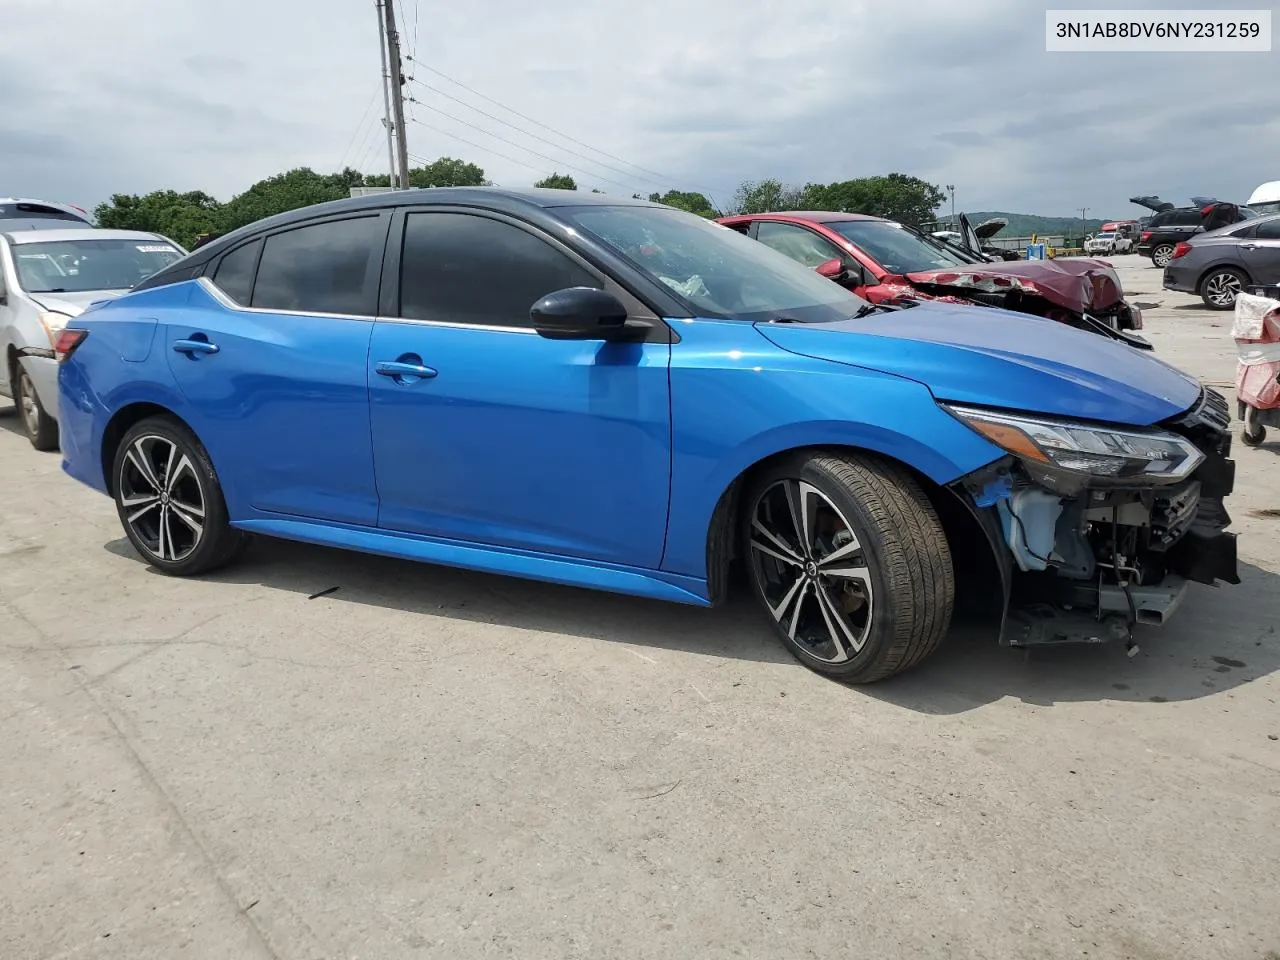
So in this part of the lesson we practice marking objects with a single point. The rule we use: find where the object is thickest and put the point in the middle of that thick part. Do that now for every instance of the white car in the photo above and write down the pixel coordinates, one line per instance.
(48, 276)
(1108, 244)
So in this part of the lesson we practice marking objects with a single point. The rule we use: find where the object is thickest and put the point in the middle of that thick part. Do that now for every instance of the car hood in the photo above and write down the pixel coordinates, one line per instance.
(73, 304)
(996, 358)
(1077, 283)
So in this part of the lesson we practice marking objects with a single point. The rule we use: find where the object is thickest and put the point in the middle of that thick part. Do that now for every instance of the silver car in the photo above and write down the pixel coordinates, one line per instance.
(46, 278)
(1219, 263)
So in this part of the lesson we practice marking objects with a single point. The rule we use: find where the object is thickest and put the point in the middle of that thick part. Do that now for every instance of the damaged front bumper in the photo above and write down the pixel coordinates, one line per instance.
(1087, 561)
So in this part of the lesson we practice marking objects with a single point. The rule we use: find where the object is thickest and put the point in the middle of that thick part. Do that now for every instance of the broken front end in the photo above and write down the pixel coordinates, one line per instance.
(1097, 528)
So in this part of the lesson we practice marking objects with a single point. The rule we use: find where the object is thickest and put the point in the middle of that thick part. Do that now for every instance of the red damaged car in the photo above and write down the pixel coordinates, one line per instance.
(885, 262)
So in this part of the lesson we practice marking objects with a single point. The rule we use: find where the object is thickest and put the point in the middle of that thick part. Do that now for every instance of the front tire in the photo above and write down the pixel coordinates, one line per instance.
(1220, 288)
(40, 428)
(169, 500)
(1162, 254)
(1254, 434)
(851, 562)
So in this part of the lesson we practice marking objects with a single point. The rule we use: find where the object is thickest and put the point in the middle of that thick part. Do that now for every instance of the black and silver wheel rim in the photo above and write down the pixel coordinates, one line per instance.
(29, 405)
(161, 498)
(1163, 256)
(811, 570)
(1221, 289)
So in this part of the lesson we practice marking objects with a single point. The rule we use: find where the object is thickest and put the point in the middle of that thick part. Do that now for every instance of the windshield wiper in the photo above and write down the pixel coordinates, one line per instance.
(50, 290)
(867, 309)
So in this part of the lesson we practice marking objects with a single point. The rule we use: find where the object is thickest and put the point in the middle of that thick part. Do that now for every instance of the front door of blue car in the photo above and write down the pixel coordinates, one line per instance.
(487, 433)
(271, 353)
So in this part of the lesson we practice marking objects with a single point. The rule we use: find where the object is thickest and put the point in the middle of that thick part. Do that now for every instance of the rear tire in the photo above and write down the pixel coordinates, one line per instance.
(1162, 254)
(40, 428)
(169, 500)
(851, 562)
(1221, 286)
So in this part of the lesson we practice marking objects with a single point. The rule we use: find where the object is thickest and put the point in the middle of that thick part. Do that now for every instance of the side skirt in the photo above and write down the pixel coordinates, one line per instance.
(516, 563)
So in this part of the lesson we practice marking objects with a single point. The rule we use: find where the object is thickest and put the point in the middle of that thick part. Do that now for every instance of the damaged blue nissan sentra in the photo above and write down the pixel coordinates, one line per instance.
(623, 396)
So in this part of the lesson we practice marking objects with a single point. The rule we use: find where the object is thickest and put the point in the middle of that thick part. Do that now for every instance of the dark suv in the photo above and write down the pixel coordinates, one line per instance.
(1169, 226)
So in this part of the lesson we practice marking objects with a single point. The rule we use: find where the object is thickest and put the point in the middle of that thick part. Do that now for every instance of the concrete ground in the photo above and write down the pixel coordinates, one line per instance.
(429, 763)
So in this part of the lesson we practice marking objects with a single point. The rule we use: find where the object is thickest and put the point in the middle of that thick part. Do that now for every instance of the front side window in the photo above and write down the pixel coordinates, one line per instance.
(321, 268)
(798, 243)
(717, 271)
(895, 248)
(81, 266)
(461, 268)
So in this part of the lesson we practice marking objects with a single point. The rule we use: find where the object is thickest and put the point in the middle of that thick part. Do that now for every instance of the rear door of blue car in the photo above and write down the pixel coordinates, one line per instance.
(486, 432)
(271, 353)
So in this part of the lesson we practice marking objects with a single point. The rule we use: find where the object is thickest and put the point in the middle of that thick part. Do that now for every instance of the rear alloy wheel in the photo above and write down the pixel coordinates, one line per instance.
(169, 500)
(1162, 254)
(40, 428)
(851, 562)
(1220, 288)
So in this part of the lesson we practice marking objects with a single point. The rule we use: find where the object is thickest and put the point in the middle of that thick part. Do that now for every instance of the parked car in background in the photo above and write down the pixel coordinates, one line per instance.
(20, 214)
(1218, 264)
(1107, 244)
(887, 263)
(1169, 225)
(644, 397)
(47, 277)
(1266, 199)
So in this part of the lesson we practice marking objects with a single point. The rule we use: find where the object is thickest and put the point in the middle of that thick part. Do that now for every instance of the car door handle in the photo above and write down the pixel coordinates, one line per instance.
(1248, 246)
(400, 371)
(194, 346)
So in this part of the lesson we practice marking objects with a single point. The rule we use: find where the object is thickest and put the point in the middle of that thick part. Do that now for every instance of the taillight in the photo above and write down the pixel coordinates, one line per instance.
(1181, 250)
(68, 340)
(1146, 235)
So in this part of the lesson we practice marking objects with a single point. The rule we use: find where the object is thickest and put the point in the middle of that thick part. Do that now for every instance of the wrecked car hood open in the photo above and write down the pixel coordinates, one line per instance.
(1078, 284)
(996, 358)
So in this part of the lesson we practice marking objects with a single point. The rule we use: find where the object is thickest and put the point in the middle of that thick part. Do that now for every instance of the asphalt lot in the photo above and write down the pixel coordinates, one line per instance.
(431, 763)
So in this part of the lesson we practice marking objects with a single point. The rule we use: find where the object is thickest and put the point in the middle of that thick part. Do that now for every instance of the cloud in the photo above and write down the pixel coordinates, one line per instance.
(136, 95)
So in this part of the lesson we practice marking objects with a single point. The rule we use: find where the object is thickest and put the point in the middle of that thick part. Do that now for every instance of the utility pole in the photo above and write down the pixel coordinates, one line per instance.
(1083, 211)
(386, 95)
(397, 91)
(951, 187)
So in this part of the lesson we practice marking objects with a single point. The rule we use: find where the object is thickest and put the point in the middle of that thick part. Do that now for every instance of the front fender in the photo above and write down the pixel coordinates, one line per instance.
(733, 408)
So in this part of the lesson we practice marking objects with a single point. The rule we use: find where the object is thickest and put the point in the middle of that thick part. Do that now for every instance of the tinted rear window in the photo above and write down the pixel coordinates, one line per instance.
(37, 211)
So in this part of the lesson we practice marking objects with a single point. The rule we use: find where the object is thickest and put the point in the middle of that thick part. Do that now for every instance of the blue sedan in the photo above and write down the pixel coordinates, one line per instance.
(619, 395)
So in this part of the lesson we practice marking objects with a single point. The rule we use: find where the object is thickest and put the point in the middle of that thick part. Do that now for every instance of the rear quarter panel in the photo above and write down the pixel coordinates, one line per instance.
(116, 366)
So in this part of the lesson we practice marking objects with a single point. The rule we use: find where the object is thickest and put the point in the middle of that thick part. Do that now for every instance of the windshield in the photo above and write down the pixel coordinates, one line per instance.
(1105, 236)
(78, 266)
(897, 249)
(718, 271)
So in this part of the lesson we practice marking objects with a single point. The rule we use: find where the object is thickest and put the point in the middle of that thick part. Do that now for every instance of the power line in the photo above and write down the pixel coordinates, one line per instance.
(538, 123)
(527, 133)
(472, 143)
(359, 127)
(529, 150)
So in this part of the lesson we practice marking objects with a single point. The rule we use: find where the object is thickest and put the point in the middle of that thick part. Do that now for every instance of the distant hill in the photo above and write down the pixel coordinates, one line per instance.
(1025, 224)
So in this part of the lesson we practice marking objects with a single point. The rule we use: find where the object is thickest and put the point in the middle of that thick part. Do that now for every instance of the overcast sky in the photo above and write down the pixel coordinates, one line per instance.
(127, 96)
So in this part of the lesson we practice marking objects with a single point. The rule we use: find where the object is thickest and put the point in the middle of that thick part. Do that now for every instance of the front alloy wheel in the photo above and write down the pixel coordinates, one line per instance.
(40, 428)
(851, 562)
(169, 501)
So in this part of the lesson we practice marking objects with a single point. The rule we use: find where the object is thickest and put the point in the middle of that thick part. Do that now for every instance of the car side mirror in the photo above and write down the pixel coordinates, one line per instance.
(832, 269)
(581, 313)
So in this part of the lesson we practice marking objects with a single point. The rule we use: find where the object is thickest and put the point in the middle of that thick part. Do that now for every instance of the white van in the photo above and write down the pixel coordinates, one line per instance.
(1266, 199)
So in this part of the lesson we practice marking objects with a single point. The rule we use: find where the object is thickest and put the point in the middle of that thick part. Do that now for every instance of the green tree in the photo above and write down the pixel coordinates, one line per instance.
(765, 196)
(692, 202)
(287, 191)
(558, 181)
(896, 196)
(445, 172)
(179, 216)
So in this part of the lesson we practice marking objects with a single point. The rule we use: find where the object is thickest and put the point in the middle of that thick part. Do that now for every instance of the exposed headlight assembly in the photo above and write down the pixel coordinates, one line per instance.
(54, 323)
(1118, 455)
